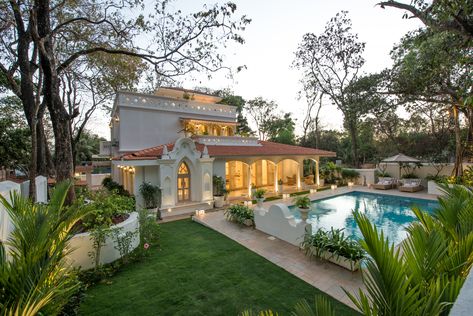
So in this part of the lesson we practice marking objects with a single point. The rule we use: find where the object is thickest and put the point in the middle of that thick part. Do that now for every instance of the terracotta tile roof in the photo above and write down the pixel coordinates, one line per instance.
(266, 149)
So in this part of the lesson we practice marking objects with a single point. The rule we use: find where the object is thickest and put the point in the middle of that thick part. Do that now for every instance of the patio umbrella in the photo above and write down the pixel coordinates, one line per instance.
(400, 159)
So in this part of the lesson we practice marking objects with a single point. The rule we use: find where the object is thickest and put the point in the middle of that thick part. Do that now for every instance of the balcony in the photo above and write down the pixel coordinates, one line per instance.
(227, 140)
(147, 101)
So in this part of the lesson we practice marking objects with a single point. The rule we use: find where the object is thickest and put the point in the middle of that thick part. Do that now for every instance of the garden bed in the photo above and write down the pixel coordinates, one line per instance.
(83, 244)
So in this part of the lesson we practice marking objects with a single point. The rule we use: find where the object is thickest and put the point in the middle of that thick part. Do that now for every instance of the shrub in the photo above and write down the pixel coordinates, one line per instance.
(239, 214)
(151, 194)
(382, 174)
(259, 193)
(302, 201)
(333, 241)
(113, 186)
(409, 175)
(104, 208)
(149, 231)
(349, 174)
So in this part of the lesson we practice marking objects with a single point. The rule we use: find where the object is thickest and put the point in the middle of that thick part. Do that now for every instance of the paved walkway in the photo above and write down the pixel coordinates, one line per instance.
(327, 277)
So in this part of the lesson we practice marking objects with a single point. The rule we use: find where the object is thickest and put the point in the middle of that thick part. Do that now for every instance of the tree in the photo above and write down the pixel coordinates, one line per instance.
(14, 134)
(260, 111)
(311, 120)
(330, 62)
(87, 146)
(280, 129)
(442, 15)
(436, 68)
(237, 101)
(42, 40)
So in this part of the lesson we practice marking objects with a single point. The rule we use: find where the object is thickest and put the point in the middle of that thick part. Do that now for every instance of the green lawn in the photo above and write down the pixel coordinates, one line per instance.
(198, 271)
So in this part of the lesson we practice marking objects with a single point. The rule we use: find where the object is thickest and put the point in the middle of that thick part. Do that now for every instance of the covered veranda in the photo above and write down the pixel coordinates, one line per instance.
(244, 174)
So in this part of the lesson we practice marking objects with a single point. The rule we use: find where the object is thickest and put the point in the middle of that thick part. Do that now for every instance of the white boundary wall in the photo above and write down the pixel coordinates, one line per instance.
(279, 222)
(6, 226)
(83, 244)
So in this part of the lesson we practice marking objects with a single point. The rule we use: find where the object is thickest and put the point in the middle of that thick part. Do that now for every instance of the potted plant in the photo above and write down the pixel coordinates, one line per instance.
(219, 191)
(259, 195)
(280, 183)
(151, 196)
(303, 203)
(240, 214)
(253, 189)
(333, 246)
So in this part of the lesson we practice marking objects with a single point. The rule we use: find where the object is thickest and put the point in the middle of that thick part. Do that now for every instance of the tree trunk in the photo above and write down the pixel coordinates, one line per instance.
(458, 168)
(59, 116)
(354, 142)
(45, 166)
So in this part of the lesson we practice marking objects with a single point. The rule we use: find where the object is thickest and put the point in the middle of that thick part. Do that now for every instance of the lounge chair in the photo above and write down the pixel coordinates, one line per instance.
(291, 180)
(410, 185)
(384, 184)
(309, 180)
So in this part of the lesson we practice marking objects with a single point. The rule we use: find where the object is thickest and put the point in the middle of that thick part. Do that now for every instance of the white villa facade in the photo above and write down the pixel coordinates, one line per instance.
(179, 139)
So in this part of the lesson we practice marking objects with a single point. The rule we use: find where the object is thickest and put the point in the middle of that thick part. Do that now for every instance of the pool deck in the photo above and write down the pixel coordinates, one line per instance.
(325, 276)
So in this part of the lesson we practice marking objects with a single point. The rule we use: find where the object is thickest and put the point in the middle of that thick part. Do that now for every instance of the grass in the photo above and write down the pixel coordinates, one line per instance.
(198, 271)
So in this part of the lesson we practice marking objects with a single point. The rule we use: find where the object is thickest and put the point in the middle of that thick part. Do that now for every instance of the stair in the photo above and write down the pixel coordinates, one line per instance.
(185, 209)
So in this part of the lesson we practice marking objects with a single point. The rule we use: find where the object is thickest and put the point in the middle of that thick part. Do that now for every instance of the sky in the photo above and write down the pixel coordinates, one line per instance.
(271, 39)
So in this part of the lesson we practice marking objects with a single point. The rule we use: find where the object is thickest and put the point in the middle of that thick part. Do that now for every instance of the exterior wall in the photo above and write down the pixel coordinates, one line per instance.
(141, 128)
(422, 172)
(219, 168)
(146, 120)
(201, 172)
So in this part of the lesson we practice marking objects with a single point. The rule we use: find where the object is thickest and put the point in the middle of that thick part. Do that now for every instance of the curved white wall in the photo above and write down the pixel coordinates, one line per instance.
(279, 222)
(82, 244)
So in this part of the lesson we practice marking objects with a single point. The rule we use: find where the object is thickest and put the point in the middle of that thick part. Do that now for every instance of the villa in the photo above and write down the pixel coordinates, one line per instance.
(179, 139)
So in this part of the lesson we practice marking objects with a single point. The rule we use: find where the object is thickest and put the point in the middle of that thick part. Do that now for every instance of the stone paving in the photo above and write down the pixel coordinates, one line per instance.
(325, 276)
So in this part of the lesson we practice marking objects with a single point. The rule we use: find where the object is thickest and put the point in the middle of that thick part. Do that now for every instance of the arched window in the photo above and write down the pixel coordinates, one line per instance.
(183, 183)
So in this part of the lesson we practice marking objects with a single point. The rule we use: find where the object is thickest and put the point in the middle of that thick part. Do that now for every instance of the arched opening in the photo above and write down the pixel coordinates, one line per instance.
(263, 174)
(183, 183)
(289, 174)
(311, 172)
(236, 175)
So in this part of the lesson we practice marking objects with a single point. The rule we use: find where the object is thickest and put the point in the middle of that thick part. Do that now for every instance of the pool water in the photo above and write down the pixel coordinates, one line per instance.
(389, 213)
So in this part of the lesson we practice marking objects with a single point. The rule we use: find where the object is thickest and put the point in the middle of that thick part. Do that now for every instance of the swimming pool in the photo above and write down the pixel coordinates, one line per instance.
(389, 213)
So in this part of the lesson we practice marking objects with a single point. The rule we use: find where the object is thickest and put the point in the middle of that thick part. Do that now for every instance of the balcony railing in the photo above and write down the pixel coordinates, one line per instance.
(227, 140)
(168, 104)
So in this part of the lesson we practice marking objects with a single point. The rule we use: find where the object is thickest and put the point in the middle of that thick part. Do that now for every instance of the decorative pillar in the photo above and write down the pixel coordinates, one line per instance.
(301, 165)
(317, 177)
(249, 179)
(276, 177)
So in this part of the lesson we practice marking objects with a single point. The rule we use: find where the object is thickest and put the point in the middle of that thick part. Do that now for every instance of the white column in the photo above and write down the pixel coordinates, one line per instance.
(276, 177)
(249, 179)
(317, 177)
(301, 165)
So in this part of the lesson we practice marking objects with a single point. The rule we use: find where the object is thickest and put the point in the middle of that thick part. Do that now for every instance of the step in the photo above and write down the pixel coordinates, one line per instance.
(185, 209)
